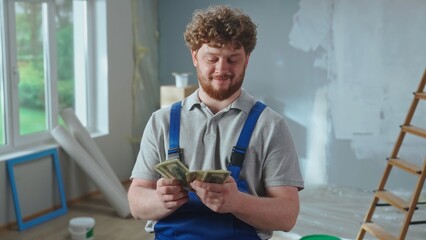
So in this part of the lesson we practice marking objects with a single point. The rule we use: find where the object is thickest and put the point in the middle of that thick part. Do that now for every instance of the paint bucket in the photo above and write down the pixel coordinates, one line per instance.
(319, 237)
(81, 228)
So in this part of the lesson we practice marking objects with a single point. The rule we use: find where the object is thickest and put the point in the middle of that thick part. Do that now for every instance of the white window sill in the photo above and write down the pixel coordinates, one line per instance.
(34, 148)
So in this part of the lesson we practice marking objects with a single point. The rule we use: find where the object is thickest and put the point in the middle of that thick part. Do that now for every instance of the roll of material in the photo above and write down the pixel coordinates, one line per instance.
(80, 133)
(108, 187)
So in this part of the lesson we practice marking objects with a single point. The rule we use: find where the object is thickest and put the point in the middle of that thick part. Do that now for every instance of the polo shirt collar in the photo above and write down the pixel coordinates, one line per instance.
(244, 102)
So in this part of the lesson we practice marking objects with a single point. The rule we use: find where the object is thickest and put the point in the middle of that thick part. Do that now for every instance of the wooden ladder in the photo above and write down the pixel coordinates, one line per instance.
(408, 207)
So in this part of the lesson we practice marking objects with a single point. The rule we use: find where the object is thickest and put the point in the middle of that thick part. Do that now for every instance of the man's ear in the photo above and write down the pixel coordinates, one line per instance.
(247, 59)
(194, 58)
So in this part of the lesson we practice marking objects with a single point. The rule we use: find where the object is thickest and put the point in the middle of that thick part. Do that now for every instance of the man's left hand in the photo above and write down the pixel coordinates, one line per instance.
(220, 198)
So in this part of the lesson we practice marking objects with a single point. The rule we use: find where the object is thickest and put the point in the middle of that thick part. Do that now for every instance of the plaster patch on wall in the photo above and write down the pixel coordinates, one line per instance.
(311, 25)
(374, 55)
(315, 170)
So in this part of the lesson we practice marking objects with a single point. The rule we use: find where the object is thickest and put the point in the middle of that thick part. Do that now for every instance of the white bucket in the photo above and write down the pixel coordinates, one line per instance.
(181, 79)
(81, 228)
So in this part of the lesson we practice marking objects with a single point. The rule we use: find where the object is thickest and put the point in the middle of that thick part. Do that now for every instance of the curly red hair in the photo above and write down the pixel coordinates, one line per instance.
(219, 26)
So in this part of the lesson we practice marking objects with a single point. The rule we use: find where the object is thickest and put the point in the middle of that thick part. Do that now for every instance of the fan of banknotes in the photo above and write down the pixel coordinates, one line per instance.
(176, 169)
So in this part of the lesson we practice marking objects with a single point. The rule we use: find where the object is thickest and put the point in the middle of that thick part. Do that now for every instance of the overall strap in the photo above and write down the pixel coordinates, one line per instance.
(239, 150)
(174, 149)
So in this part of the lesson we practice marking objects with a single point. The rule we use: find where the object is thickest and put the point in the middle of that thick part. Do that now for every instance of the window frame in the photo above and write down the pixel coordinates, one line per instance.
(95, 110)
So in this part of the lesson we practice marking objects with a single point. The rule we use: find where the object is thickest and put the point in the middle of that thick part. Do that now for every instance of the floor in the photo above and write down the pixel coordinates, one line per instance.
(339, 211)
(333, 211)
(108, 225)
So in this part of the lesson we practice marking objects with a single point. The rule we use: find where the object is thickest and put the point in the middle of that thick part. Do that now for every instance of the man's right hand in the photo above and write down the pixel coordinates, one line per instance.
(171, 193)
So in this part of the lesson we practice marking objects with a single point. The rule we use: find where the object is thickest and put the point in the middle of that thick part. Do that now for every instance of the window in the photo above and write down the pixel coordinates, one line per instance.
(52, 55)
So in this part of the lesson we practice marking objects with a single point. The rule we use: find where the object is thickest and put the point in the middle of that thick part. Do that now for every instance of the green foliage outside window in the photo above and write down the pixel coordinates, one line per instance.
(30, 65)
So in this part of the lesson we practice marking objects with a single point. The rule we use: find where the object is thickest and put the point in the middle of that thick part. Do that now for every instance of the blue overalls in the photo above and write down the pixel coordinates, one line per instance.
(195, 221)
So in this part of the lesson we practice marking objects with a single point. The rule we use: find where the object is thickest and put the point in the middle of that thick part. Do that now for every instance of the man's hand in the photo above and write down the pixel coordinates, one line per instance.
(220, 198)
(171, 194)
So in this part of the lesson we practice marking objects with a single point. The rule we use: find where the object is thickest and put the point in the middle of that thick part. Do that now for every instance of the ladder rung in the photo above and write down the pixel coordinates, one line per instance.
(405, 165)
(418, 222)
(388, 205)
(377, 231)
(414, 130)
(420, 95)
(393, 200)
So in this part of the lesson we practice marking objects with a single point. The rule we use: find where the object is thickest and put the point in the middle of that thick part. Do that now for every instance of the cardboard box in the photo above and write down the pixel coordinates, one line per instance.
(170, 94)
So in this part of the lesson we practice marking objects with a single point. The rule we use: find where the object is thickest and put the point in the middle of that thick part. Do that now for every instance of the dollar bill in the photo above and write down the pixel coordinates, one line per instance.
(176, 169)
(195, 175)
(173, 169)
(215, 176)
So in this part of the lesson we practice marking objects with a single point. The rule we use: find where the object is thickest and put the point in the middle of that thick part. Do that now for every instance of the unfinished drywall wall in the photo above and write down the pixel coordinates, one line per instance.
(341, 72)
(373, 57)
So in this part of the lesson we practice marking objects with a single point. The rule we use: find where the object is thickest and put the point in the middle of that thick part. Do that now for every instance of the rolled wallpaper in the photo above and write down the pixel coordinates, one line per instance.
(112, 190)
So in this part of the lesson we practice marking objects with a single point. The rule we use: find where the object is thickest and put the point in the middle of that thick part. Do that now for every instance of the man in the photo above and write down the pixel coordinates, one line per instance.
(261, 195)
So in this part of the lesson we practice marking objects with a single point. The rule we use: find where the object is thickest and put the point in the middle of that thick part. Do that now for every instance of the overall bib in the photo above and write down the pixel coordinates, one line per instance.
(195, 221)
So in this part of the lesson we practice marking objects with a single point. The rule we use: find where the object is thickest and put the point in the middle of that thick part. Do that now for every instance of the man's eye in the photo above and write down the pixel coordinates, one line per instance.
(211, 60)
(231, 61)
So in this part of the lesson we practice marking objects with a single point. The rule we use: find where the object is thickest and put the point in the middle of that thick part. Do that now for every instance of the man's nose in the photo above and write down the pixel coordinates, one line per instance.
(222, 66)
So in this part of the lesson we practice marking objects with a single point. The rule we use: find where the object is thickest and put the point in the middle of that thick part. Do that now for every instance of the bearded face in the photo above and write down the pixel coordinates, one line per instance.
(220, 71)
(220, 91)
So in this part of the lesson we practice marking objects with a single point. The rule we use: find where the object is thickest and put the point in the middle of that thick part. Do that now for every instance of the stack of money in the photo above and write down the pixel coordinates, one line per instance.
(176, 169)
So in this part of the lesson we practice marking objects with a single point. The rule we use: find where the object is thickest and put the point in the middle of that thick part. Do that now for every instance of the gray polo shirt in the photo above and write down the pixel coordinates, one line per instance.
(207, 140)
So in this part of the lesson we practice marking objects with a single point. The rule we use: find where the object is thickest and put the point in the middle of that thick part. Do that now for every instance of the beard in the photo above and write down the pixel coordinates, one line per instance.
(221, 94)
